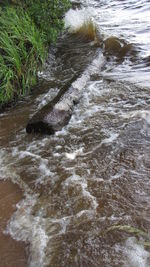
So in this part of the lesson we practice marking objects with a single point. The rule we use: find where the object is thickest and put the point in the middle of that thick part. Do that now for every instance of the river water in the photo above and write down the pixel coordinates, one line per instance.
(86, 189)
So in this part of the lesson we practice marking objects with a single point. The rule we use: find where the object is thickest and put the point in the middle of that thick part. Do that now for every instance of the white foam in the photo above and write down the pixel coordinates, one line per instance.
(23, 154)
(78, 180)
(117, 175)
(74, 154)
(8, 172)
(44, 99)
(87, 194)
(44, 173)
(110, 139)
(93, 68)
(75, 19)
(144, 114)
(136, 254)
(26, 227)
(72, 179)
(113, 136)
(138, 115)
(2, 165)
(63, 223)
(84, 212)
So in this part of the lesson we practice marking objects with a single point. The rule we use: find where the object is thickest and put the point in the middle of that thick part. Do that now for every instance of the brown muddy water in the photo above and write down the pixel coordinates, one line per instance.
(82, 196)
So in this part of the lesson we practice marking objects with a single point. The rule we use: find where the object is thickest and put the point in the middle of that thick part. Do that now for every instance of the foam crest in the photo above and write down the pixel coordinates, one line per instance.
(78, 180)
(74, 154)
(138, 115)
(2, 166)
(144, 114)
(136, 254)
(44, 172)
(81, 22)
(62, 222)
(8, 172)
(23, 226)
(113, 136)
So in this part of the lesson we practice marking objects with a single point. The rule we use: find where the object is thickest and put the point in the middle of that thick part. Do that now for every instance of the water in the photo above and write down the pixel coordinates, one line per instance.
(94, 174)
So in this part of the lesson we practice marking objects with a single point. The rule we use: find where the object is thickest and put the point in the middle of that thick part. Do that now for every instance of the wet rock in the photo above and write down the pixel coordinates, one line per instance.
(125, 50)
(112, 45)
(117, 47)
(75, 4)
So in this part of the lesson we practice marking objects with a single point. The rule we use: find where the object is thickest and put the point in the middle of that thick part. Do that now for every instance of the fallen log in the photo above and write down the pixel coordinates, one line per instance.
(56, 114)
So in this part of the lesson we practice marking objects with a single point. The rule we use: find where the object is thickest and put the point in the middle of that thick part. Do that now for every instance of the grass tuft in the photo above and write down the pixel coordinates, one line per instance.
(22, 51)
(26, 29)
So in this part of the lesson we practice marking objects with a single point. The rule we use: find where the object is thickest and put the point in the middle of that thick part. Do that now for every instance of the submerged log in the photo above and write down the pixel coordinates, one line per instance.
(49, 120)
(56, 114)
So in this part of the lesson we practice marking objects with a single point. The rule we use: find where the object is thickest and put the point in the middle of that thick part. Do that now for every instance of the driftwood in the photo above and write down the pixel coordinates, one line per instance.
(56, 114)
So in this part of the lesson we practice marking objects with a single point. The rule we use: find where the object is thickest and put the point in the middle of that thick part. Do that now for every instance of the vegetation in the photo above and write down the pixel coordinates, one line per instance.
(22, 50)
(48, 15)
(145, 241)
(26, 29)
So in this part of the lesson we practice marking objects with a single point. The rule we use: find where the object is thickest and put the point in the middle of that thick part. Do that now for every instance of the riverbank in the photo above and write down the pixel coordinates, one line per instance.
(26, 30)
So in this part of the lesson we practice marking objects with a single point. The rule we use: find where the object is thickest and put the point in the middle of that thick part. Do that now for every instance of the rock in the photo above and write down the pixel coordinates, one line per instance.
(126, 49)
(117, 47)
(112, 45)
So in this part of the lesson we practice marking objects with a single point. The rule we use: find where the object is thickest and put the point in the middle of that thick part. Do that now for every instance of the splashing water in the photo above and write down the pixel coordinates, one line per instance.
(81, 22)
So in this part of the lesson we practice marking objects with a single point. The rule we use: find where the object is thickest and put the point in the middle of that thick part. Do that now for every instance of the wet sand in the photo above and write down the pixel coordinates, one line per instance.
(12, 253)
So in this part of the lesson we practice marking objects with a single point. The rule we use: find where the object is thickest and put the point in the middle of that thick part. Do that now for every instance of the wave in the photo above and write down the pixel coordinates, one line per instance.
(81, 22)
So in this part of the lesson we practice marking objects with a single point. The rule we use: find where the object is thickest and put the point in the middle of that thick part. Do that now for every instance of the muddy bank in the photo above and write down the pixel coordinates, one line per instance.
(12, 253)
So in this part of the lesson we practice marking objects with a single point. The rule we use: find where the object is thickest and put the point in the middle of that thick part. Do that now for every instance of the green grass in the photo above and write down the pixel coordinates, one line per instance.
(26, 29)
(22, 51)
